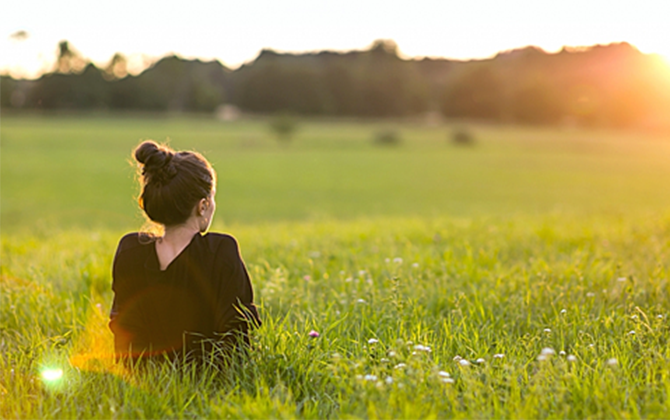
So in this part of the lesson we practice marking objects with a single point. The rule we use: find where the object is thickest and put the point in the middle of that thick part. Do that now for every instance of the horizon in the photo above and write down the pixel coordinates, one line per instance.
(148, 62)
(234, 34)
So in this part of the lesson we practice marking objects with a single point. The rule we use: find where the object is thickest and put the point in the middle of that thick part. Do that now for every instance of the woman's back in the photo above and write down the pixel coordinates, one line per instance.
(205, 292)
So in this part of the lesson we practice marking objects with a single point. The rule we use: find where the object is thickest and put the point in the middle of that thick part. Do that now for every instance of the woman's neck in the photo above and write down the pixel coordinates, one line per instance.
(180, 235)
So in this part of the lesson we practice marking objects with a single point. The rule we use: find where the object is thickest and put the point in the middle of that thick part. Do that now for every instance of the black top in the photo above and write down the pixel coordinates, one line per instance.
(204, 293)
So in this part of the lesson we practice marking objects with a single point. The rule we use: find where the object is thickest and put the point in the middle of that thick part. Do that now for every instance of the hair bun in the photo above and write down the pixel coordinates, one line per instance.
(156, 160)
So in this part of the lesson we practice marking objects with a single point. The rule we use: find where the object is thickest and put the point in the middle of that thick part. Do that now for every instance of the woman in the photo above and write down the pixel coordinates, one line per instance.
(179, 293)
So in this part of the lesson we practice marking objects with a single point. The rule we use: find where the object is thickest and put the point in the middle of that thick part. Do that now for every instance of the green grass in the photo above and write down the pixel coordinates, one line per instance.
(472, 252)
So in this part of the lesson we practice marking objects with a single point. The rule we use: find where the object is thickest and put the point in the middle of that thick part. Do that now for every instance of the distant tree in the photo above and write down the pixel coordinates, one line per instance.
(19, 36)
(69, 60)
(117, 68)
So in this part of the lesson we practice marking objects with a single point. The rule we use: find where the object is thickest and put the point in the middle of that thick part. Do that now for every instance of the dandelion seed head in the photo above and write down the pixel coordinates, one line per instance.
(547, 351)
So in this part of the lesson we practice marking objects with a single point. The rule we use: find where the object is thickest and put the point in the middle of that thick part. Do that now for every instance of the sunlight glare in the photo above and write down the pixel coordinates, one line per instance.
(52, 374)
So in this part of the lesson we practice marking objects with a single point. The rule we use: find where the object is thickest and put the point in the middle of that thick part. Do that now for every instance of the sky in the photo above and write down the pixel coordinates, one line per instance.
(234, 32)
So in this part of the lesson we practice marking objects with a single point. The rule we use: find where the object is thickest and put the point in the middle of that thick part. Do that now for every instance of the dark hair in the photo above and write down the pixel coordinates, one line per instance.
(172, 182)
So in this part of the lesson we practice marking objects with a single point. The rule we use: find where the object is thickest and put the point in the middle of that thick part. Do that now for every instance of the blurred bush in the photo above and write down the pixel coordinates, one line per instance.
(283, 126)
(461, 136)
(387, 137)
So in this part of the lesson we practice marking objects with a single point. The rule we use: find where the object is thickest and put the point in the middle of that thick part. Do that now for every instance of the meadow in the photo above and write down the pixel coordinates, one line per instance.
(523, 277)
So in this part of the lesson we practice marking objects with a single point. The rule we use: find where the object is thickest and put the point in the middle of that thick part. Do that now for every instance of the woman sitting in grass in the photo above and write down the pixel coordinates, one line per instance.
(180, 293)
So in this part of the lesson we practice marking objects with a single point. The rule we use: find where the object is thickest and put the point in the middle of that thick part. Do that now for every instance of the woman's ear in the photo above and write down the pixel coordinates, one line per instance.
(202, 206)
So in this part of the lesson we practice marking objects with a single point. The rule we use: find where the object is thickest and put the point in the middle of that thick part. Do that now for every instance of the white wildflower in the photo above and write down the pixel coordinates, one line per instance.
(463, 362)
(561, 353)
(397, 260)
(498, 356)
(362, 301)
(443, 374)
(392, 353)
(659, 316)
(389, 380)
(621, 279)
(457, 358)
(369, 377)
(548, 351)
(572, 358)
(420, 347)
(373, 341)
(542, 357)
(447, 380)
(547, 330)
(612, 362)
(400, 366)
(590, 294)
(564, 311)
(632, 332)
(384, 360)
(361, 273)
(633, 317)
(415, 265)
(387, 260)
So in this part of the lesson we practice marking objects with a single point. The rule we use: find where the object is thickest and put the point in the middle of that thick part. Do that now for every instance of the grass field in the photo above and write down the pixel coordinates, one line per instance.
(404, 259)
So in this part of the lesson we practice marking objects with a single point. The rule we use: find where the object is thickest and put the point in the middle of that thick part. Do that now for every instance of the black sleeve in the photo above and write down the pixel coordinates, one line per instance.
(235, 310)
(121, 325)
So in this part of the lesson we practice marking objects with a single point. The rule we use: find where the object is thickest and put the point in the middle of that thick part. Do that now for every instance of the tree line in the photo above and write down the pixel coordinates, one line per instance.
(611, 85)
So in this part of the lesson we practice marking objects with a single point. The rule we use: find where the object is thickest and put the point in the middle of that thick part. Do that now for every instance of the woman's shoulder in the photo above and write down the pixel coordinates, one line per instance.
(134, 240)
(221, 242)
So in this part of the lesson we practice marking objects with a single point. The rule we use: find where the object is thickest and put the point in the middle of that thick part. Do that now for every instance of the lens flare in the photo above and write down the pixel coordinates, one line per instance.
(52, 374)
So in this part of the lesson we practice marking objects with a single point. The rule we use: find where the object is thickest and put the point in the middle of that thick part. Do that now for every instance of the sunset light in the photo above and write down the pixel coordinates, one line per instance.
(234, 33)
